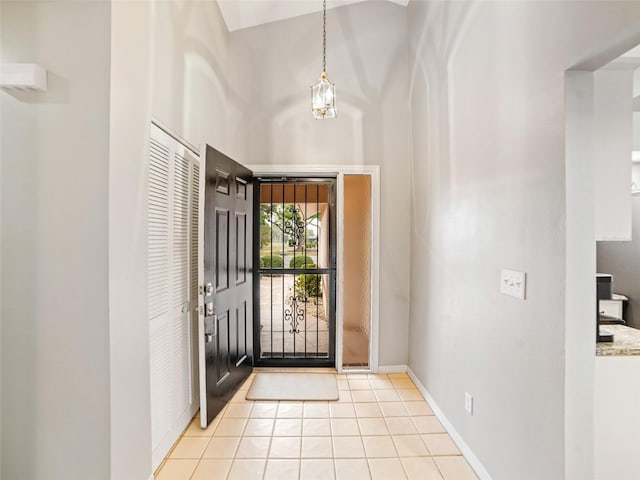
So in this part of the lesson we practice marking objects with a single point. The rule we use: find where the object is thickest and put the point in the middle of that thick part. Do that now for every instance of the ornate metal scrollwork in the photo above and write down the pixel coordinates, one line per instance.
(294, 314)
(295, 227)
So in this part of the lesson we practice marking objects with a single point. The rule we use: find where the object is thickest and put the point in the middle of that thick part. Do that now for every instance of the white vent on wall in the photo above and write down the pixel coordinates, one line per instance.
(23, 76)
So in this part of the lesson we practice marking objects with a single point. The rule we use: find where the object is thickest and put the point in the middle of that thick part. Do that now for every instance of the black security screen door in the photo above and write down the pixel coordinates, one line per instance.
(295, 261)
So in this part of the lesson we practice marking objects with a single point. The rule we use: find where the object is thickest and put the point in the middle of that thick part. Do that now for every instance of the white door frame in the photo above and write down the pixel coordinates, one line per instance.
(340, 171)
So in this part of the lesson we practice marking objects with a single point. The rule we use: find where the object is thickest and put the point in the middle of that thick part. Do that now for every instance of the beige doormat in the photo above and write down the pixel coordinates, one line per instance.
(294, 386)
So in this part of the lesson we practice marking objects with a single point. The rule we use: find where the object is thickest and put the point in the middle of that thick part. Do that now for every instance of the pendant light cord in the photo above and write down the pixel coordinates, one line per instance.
(324, 35)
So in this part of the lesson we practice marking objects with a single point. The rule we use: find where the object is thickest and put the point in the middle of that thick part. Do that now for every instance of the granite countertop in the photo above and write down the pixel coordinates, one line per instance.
(626, 341)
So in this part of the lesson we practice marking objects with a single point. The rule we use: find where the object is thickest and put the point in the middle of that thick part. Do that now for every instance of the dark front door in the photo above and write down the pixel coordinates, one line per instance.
(226, 333)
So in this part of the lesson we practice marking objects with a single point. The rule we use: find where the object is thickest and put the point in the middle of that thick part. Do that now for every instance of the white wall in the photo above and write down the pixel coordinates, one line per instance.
(55, 310)
(74, 339)
(130, 104)
(486, 194)
(617, 422)
(270, 70)
(487, 107)
(613, 143)
(189, 71)
(636, 113)
(75, 352)
(580, 267)
(168, 63)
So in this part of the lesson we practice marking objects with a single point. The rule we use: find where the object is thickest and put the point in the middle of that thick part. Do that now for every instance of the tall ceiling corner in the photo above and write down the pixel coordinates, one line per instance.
(239, 14)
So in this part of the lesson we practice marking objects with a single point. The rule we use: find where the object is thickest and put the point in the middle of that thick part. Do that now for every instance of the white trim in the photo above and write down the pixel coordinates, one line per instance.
(580, 268)
(455, 436)
(339, 276)
(175, 136)
(284, 169)
(339, 171)
(392, 369)
(202, 363)
(355, 371)
(375, 270)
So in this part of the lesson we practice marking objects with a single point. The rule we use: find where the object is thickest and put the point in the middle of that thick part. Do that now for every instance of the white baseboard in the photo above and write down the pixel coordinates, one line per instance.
(392, 369)
(455, 436)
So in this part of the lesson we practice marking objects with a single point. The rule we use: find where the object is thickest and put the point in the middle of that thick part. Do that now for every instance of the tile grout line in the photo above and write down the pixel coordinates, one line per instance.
(400, 403)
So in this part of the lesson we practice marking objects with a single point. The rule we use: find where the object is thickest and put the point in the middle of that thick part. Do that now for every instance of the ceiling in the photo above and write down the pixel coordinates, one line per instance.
(240, 14)
(629, 60)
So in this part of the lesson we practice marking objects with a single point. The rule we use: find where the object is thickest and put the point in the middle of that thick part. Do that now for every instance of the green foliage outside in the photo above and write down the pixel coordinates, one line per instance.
(265, 235)
(288, 223)
(269, 261)
(299, 261)
(312, 240)
(308, 285)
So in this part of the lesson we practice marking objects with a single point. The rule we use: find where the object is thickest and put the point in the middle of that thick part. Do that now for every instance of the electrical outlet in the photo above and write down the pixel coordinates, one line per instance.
(513, 283)
(468, 403)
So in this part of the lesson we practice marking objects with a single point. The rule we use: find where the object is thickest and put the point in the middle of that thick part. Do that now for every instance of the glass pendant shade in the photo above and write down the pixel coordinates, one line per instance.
(323, 98)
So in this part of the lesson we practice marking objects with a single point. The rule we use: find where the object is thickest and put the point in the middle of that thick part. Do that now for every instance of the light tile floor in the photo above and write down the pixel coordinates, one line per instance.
(380, 429)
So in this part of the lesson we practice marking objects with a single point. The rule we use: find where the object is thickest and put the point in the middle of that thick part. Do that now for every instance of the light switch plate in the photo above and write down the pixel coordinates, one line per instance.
(513, 283)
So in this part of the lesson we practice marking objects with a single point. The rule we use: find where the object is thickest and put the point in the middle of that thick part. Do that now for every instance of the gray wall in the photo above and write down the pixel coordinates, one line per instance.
(130, 110)
(55, 310)
(483, 174)
(487, 109)
(168, 62)
(270, 70)
(622, 260)
(75, 342)
(189, 77)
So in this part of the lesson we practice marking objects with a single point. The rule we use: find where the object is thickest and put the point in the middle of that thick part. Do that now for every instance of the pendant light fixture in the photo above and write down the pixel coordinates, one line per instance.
(323, 93)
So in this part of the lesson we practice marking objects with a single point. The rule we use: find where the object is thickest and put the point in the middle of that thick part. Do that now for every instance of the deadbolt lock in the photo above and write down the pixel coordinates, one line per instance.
(208, 289)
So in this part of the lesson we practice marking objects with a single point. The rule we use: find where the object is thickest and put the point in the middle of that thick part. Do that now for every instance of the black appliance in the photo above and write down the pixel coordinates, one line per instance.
(604, 283)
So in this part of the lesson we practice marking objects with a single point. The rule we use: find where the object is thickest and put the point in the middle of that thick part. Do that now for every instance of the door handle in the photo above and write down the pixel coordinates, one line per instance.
(210, 316)
(210, 327)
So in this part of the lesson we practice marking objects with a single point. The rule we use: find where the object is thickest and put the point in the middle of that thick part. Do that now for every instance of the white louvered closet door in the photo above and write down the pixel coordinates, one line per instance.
(174, 176)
